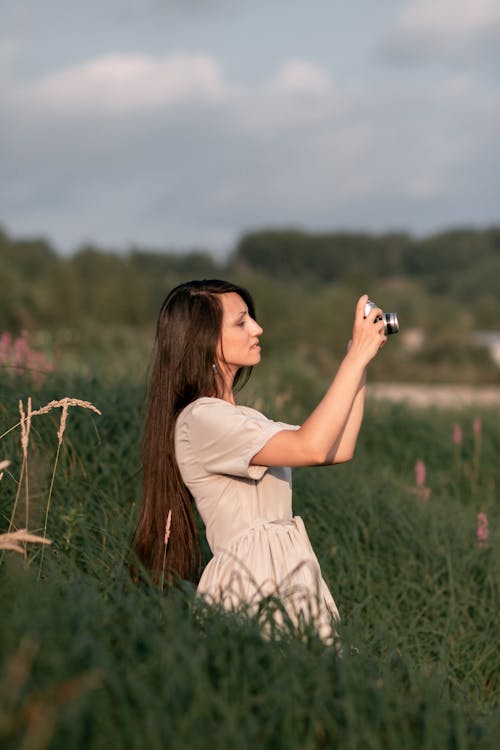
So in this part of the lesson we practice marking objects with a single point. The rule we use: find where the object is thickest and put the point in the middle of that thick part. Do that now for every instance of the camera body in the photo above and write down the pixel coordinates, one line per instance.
(391, 323)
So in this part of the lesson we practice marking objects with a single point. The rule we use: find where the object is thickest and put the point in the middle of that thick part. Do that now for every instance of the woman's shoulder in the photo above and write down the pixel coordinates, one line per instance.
(212, 407)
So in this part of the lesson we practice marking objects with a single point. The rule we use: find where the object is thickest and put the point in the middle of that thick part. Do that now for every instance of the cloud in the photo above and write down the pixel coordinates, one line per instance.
(453, 30)
(170, 151)
(302, 76)
(126, 83)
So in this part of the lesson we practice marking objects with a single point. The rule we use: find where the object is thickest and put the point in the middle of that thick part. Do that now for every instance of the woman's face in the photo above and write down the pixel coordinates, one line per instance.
(239, 342)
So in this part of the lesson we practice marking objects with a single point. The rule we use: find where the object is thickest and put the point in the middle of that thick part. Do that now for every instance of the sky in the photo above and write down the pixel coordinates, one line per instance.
(182, 124)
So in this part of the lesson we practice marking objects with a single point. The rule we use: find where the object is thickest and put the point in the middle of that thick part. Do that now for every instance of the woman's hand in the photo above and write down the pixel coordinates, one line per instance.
(368, 336)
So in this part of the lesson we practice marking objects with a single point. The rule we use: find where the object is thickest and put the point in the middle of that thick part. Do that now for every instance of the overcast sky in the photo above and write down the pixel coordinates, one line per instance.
(180, 123)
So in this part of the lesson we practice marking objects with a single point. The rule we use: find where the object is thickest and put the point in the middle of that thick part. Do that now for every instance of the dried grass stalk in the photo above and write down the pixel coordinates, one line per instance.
(25, 426)
(167, 528)
(12, 540)
(3, 465)
(165, 542)
(25, 436)
(65, 402)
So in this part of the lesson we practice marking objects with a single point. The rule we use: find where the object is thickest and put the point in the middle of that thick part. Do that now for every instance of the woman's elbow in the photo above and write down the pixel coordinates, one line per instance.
(318, 456)
(330, 458)
(342, 457)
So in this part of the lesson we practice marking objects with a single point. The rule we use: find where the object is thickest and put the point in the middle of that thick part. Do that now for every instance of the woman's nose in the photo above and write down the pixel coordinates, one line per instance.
(257, 329)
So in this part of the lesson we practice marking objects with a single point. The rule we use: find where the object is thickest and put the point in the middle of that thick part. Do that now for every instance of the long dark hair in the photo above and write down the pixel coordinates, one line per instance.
(188, 330)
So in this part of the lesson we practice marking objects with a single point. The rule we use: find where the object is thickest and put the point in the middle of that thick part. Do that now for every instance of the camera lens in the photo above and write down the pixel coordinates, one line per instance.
(391, 323)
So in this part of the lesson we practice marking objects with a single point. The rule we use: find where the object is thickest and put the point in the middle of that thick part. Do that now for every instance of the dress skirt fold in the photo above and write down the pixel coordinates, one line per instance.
(272, 559)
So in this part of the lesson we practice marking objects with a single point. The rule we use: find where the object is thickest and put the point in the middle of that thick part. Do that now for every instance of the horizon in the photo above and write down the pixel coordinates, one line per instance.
(172, 250)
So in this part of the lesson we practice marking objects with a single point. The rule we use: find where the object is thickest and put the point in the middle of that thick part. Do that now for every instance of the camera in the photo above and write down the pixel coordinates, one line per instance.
(391, 324)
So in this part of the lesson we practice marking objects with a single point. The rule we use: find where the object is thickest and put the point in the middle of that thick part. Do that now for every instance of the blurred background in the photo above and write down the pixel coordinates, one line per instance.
(313, 151)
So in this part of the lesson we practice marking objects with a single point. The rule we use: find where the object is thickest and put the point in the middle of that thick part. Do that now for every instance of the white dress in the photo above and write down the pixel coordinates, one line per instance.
(259, 549)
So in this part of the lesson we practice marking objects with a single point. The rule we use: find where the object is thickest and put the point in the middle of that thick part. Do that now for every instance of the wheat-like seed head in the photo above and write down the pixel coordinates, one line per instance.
(67, 401)
(3, 465)
(25, 425)
(62, 423)
(64, 403)
(167, 528)
(12, 540)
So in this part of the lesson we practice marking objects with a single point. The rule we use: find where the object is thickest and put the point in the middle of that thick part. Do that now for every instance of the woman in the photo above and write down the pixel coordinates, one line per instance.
(199, 445)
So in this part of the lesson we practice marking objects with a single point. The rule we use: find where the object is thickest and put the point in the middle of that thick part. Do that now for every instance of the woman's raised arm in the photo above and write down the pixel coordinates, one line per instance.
(329, 434)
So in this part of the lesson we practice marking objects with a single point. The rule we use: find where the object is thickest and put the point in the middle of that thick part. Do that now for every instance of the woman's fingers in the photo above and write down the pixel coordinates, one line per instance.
(375, 312)
(361, 304)
(368, 334)
(360, 309)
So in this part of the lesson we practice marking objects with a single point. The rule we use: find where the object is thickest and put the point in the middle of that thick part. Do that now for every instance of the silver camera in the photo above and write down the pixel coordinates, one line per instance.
(391, 324)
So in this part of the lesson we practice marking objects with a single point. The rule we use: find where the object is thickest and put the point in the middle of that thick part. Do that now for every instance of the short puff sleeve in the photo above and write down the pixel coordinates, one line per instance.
(224, 438)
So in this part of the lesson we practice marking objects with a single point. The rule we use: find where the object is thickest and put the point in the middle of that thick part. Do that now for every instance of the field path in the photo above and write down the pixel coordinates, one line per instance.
(442, 395)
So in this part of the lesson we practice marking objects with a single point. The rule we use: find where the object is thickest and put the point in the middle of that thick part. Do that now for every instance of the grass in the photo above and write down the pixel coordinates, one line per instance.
(90, 660)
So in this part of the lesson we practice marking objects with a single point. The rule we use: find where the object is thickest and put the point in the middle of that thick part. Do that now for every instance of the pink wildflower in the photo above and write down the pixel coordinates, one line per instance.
(21, 353)
(457, 434)
(476, 427)
(5, 345)
(420, 473)
(482, 532)
(18, 357)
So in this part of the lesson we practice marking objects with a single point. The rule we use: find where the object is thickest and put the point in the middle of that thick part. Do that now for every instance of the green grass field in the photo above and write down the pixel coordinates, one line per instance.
(90, 660)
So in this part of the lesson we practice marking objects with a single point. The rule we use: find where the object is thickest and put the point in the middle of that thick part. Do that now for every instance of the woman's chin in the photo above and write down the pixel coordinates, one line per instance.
(251, 361)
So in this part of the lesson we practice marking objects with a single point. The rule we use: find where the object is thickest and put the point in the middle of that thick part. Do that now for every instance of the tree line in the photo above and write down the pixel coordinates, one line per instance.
(445, 286)
(450, 273)
(457, 269)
